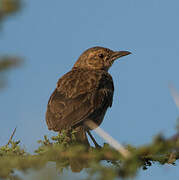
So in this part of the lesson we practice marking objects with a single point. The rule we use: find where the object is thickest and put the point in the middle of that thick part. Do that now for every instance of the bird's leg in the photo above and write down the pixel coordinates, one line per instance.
(94, 141)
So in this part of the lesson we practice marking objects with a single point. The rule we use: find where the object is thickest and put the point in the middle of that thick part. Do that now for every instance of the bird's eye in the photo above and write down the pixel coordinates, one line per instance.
(101, 55)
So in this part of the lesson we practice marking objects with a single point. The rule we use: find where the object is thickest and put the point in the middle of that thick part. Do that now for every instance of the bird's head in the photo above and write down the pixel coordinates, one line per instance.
(98, 58)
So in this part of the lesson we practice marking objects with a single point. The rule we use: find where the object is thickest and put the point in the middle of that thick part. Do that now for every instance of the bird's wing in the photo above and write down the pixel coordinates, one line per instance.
(77, 96)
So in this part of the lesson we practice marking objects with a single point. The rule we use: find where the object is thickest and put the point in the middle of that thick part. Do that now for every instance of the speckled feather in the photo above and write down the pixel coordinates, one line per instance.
(80, 95)
(84, 93)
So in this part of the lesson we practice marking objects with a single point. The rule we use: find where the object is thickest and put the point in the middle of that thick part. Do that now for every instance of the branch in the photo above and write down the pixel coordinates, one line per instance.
(115, 144)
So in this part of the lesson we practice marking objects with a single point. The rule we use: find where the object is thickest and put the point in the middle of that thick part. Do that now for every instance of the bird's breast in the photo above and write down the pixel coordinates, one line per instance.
(77, 82)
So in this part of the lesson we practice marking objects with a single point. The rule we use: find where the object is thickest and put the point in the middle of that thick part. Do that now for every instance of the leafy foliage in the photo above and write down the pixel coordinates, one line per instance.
(6, 63)
(8, 7)
(101, 163)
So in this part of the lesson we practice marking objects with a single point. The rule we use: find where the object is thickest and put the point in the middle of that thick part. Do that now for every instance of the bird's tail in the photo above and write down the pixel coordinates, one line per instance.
(77, 164)
(80, 136)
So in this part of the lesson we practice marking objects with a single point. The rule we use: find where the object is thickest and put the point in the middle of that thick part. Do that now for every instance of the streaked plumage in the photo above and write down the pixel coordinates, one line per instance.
(84, 93)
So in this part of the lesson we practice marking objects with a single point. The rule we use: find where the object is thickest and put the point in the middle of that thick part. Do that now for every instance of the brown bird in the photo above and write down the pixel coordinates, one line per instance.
(84, 93)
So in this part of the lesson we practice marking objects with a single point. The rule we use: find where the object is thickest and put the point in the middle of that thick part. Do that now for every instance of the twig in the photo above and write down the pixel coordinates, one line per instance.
(12, 135)
(115, 144)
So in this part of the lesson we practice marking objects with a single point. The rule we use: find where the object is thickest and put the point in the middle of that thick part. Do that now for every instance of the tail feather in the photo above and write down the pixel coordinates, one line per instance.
(78, 164)
(81, 136)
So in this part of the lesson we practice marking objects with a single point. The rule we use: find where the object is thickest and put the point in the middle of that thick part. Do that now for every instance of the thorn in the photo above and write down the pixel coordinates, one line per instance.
(12, 135)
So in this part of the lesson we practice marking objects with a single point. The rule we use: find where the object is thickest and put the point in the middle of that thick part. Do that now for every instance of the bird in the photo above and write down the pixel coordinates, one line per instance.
(84, 93)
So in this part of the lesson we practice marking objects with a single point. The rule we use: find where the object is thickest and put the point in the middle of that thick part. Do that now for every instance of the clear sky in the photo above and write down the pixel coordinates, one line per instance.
(50, 36)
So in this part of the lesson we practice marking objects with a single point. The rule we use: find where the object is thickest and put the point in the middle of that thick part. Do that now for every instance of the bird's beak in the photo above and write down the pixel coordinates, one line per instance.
(117, 54)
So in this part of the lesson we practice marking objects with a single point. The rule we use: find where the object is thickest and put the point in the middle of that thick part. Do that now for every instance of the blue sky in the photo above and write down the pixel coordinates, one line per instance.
(51, 36)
